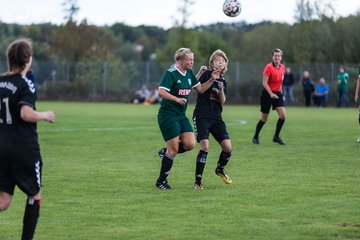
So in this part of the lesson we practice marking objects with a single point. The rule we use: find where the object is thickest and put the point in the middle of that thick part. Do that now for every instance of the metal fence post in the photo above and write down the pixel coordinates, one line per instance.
(105, 78)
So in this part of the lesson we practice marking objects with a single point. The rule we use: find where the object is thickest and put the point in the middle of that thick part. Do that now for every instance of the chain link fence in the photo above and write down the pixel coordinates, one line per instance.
(118, 81)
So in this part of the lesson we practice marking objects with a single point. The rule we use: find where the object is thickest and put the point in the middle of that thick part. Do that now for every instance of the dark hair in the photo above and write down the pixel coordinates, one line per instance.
(277, 50)
(18, 55)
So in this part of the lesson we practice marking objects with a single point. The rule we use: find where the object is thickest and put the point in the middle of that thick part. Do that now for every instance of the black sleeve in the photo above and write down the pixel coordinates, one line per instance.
(225, 87)
(205, 76)
(27, 94)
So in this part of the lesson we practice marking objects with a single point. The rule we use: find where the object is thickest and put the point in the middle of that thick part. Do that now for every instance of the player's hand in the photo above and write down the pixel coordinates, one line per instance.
(50, 116)
(274, 96)
(356, 98)
(201, 71)
(221, 85)
(215, 74)
(181, 101)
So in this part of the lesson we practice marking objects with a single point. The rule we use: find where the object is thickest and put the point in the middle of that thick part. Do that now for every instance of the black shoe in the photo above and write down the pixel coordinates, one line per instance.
(161, 153)
(278, 140)
(163, 185)
(255, 141)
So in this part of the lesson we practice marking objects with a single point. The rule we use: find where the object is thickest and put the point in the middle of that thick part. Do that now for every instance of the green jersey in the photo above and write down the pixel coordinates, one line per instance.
(343, 79)
(178, 85)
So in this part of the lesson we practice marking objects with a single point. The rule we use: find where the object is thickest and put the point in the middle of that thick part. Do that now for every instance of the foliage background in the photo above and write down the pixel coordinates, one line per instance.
(108, 63)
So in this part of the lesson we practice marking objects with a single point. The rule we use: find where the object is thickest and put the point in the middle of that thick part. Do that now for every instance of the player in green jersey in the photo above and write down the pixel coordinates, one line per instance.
(174, 89)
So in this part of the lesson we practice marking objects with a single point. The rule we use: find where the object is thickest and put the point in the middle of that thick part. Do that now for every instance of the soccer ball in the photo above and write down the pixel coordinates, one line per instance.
(358, 140)
(232, 8)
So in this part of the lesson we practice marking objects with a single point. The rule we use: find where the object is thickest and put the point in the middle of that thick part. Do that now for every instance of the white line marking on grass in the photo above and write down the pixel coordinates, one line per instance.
(237, 122)
(119, 129)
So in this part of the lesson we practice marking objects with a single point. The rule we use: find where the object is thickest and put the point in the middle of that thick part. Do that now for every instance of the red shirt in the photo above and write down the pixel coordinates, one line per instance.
(276, 76)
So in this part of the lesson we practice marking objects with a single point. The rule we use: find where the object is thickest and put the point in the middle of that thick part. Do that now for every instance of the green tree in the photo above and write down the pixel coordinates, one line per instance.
(71, 9)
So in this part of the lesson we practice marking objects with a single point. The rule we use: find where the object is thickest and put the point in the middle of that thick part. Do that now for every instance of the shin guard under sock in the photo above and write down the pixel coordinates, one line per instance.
(31, 215)
(200, 165)
(259, 126)
(166, 165)
(279, 125)
(223, 159)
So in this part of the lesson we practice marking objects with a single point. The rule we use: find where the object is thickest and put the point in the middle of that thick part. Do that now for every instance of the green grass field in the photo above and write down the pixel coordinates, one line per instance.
(101, 163)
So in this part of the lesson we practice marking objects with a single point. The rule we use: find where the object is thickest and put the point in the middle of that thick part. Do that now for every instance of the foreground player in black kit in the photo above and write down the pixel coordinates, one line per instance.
(208, 120)
(20, 159)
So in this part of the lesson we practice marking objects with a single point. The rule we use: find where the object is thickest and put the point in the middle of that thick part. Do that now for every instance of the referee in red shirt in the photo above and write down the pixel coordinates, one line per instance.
(272, 96)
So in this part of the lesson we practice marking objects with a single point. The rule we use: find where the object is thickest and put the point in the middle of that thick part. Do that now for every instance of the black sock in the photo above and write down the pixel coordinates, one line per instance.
(359, 117)
(200, 164)
(279, 125)
(166, 165)
(181, 148)
(32, 210)
(259, 126)
(223, 159)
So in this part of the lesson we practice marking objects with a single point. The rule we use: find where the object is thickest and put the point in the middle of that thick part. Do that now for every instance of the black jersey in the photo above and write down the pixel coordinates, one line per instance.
(208, 104)
(15, 91)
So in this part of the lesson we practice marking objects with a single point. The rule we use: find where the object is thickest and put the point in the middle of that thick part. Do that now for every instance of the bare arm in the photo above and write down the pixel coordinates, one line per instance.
(166, 95)
(267, 88)
(201, 71)
(222, 96)
(201, 88)
(28, 114)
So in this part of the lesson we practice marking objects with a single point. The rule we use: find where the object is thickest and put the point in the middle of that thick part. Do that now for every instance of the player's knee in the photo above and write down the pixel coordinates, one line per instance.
(205, 148)
(189, 146)
(5, 201)
(227, 149)
(226, 146)
(172, 152)
(4, 206)
(264, 119)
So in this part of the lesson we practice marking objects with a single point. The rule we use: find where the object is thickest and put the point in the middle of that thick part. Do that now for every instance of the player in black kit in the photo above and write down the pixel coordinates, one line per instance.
(208, 120)
(20, 159)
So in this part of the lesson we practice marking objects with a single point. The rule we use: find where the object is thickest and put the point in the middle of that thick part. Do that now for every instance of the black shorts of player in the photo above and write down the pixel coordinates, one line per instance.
(21, 166)
(203, 127)
(266, 101)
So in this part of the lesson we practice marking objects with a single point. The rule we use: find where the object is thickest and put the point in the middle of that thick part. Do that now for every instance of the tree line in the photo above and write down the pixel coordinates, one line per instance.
(322, 40)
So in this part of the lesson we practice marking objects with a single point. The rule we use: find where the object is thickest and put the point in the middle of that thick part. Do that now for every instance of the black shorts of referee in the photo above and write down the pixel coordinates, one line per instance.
(266, 101)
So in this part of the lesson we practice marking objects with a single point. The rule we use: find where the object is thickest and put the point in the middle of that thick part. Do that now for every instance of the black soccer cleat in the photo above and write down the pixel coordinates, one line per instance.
(163, 185)
(161, 153)
(255, 141)
(278, 140)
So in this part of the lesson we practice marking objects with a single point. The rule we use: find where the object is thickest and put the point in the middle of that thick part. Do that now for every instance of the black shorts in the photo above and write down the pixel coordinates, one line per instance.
(266, 101)
(203, 127)
(21, 166)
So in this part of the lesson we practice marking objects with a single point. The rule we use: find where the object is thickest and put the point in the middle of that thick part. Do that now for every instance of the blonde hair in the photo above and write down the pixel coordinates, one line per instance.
(182, 53)
(215, 54)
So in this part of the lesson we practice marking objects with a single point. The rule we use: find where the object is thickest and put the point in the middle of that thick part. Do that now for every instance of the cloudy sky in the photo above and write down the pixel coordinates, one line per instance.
(160, 13)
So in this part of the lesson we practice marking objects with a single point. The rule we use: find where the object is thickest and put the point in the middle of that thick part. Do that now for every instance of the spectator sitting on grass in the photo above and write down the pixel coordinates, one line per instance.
(321, 94)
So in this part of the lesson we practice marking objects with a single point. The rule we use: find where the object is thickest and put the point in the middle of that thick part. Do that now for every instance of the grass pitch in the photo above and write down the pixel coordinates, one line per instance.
(101, 163)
